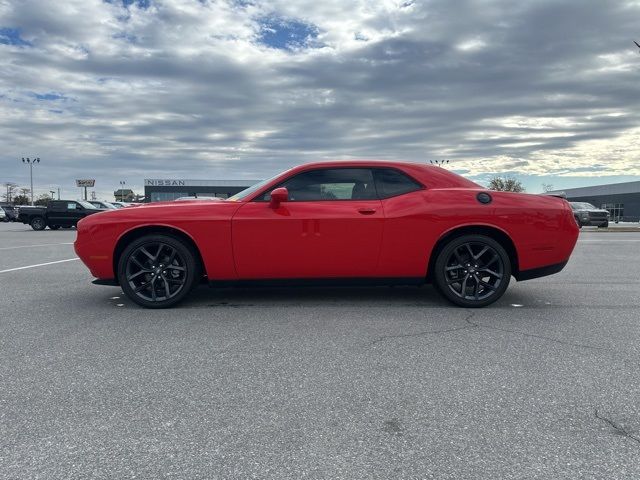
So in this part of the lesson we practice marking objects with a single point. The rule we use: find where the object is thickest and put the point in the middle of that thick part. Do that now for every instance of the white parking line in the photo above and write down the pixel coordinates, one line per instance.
(635, 240)
(38, 265)
(40, 245)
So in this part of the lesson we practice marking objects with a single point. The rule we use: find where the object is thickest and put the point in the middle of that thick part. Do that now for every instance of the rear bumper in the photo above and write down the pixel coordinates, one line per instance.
(540, 271)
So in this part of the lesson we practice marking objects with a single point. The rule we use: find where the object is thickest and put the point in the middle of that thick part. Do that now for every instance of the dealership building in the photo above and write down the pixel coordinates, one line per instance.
(621, 199)
(162, 190)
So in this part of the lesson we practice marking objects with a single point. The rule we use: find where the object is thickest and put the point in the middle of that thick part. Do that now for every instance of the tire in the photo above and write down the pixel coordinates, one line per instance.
(158, 271)
(38, 223)
(54, 227)
(472, 271)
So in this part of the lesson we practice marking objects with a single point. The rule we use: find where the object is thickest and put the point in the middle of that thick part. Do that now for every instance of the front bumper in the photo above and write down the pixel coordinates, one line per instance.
(594, 222)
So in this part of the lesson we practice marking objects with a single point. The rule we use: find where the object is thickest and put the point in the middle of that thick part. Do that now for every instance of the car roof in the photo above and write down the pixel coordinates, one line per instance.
(431, 176)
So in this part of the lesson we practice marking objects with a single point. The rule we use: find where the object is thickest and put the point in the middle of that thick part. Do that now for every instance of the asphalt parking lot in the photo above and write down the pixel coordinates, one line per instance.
(319, 383)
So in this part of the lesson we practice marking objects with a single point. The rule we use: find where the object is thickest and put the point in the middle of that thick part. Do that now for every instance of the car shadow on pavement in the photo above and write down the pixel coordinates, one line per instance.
(423, 296)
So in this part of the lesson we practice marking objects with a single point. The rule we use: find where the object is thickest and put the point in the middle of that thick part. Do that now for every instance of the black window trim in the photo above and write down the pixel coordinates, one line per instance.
(258, 197)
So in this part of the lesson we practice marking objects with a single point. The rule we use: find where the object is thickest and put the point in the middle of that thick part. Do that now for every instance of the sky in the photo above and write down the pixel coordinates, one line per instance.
(122, 90)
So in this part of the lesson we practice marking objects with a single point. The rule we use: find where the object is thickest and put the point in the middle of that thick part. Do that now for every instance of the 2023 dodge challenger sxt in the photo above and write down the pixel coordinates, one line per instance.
(331, 222)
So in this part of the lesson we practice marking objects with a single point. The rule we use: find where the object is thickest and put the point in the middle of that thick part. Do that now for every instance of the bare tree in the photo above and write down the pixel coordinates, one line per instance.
(506, 184)
(9, 188)
(547, 187)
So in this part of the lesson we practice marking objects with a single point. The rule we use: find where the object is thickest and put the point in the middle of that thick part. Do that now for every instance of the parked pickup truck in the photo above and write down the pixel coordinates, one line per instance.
(58, 213)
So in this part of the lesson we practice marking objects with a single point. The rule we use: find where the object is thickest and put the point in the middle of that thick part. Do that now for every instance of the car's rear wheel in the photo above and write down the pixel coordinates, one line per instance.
(158, 271)
(38, 223)
(472, 270)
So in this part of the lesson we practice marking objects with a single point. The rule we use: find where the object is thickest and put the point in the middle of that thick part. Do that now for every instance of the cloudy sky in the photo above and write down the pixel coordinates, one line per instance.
(546, 91)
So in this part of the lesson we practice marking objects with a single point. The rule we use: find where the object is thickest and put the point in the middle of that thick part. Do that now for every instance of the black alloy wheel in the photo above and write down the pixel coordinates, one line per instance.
(38, 223)
(157, 271)
(472, 271)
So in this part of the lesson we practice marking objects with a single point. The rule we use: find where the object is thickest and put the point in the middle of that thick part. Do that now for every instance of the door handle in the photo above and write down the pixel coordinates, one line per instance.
(367, 211)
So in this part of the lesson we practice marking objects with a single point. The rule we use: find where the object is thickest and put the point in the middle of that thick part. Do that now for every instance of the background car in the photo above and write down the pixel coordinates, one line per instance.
(119, 204)
(3, 216)
(57, 213)
(334, 223)
(102, 205)
(589, 215)
(10, 212)
(181, 199)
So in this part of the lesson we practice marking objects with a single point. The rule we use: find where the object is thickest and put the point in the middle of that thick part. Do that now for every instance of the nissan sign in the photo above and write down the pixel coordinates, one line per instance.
(165, 183)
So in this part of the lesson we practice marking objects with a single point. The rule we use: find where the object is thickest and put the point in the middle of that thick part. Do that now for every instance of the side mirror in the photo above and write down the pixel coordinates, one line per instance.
(278, 196)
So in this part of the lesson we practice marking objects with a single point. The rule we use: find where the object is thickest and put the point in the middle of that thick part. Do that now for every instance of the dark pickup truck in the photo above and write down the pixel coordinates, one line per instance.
(58, 213)
(586, 214)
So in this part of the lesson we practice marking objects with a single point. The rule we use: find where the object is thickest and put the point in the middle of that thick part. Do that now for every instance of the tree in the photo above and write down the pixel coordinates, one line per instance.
(8, 188)
(547, 187)
(21, 200)
(43, 200)
(506, 184)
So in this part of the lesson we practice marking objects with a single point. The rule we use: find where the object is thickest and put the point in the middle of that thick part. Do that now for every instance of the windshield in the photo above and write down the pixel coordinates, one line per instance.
(582, 206)
(252, 189)
(86, 204)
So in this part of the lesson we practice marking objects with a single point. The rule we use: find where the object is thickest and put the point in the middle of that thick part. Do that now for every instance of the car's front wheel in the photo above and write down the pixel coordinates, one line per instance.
(472, 270)
(158, 271)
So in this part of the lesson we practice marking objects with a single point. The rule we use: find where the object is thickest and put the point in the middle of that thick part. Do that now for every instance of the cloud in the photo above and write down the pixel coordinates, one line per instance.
(126, 90)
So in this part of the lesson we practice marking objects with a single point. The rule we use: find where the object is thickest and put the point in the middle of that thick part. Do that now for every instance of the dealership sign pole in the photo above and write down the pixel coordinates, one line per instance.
(84, 184)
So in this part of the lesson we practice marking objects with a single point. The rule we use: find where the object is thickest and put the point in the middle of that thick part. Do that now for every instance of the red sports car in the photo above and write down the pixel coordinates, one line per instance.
(334, 222)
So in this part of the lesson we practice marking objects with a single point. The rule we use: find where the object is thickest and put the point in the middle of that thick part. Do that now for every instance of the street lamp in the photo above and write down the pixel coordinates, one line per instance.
(122, 184)
(31, 163)
(439, 163)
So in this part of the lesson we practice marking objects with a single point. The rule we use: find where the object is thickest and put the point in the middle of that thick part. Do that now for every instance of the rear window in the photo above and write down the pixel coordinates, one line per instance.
(391, 183)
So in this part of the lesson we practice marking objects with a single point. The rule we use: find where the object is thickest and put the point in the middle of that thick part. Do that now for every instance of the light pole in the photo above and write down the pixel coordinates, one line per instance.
(122, 184)
(31, 163)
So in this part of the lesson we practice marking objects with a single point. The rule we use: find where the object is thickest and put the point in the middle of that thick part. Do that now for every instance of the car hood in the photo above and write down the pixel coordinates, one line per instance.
(591, 210)
(164, 211)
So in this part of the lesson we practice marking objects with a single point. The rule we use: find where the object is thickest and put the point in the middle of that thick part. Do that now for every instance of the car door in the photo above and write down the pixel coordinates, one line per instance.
(331, 226)
(75, 212)
(57, 213)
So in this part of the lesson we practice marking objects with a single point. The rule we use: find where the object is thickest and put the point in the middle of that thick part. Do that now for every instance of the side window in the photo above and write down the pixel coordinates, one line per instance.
(330, 184)
(72, 206)
(391, 183)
